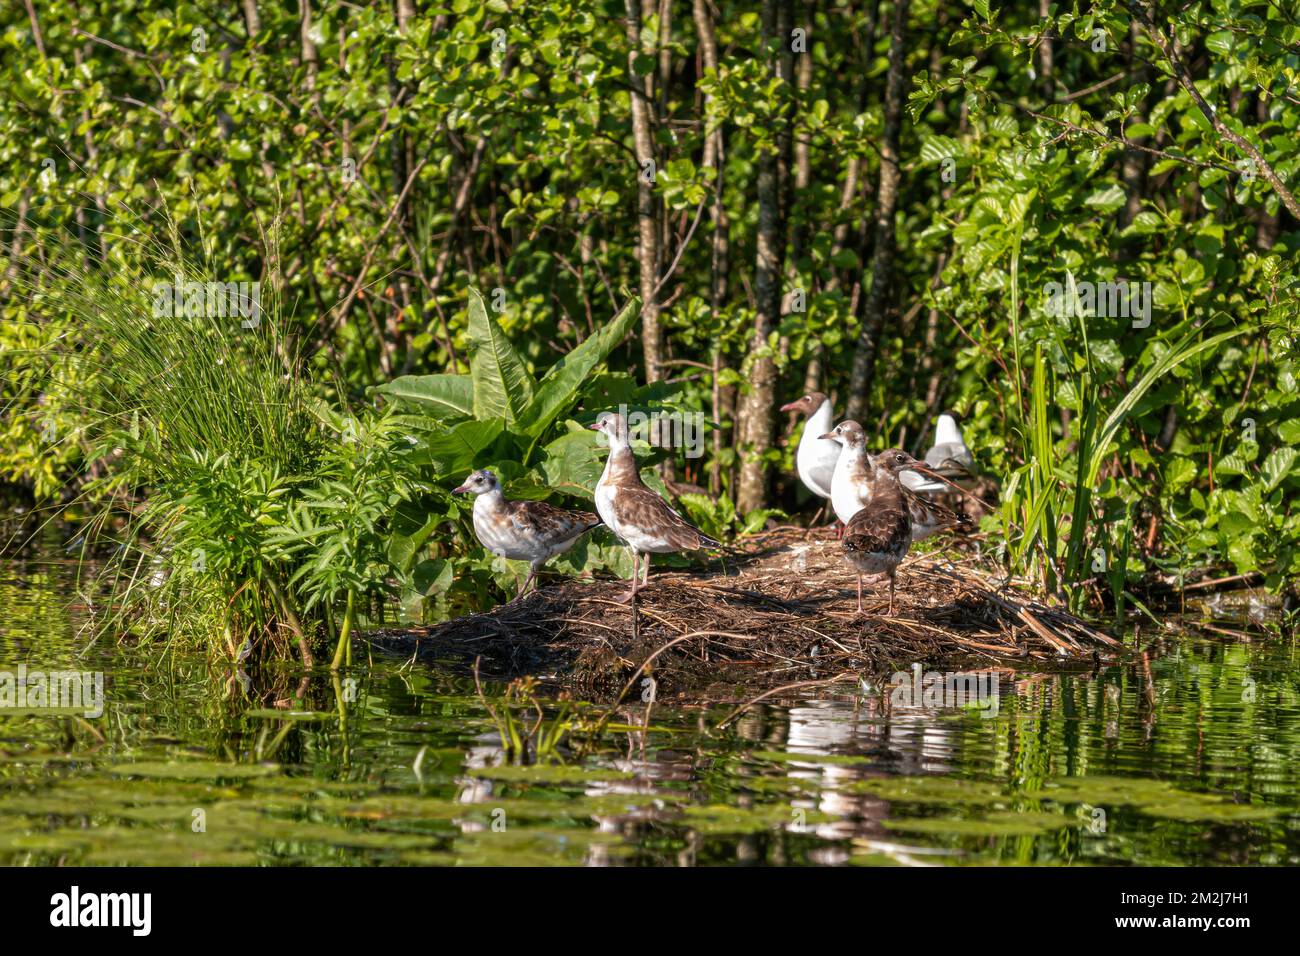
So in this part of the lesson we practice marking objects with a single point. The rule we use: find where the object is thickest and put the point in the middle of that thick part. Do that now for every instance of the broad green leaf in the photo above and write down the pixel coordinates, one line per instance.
(502, 386)
(1278, 465)
(562, 382)
(432, 576)
(1231, 465)
(402, 548)
(455, 452)
(1178, 472)
(573, 462)
(1109, 198)
(445, 397)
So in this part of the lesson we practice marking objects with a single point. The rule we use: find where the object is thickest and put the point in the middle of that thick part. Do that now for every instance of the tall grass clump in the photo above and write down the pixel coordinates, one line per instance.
(1064, 525)
(224, 462)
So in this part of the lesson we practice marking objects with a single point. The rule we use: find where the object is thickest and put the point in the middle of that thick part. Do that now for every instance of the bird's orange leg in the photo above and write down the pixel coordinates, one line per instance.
(532, 573)
(631, 592)
(891, 593)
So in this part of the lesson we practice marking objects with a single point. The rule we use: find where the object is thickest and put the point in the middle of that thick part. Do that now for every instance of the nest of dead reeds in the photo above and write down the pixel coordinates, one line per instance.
(782, 613)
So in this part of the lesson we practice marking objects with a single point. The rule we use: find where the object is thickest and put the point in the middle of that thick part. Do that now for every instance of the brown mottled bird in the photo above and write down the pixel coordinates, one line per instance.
(531, 531)
(879, 535)
(637, 515)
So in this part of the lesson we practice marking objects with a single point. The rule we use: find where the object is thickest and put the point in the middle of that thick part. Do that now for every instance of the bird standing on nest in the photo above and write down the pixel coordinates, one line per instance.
(816, 456)
(878, 537)
(531, 531)
(948, 457)
(851, 481)
(637, 515)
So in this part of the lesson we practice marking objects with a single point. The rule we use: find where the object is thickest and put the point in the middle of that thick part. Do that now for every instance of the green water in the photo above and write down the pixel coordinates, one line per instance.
(1190, 758)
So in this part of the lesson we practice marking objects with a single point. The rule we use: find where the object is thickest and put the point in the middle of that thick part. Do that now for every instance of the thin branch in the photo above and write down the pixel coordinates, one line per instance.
(1184, 77)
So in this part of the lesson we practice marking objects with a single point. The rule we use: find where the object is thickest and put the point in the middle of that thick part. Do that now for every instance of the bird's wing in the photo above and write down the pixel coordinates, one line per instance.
(639, 507)
(822, 472)
(545, 522)
(932, 515)
(880, 530)
(950, 458)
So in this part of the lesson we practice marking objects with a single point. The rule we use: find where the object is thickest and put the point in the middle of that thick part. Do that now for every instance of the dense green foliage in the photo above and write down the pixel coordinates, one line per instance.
(372, 164)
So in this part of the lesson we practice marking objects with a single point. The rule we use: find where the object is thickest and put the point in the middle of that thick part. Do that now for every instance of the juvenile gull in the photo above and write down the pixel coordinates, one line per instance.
(879, 535)
(531, 531)
(637, 515)
(851, 480)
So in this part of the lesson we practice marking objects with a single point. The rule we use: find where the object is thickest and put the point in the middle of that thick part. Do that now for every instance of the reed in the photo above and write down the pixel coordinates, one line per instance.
(1057, 529)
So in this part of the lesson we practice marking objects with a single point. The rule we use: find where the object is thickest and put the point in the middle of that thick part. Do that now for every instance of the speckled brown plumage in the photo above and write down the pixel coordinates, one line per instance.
(636, 514)
(928, 516)
(545, 521)
(879, 536)
(532, 531)
(639, 509)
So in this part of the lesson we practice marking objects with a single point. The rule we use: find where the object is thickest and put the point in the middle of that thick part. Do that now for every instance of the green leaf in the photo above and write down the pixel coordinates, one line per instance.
(455, 451)
(402, 548)
(560, 385)
(502, 386)
(1278, 465)
(444, 397)
(1107, 199)
(572, 463)
(433, 576)
(1178, 472)
(1220, 43)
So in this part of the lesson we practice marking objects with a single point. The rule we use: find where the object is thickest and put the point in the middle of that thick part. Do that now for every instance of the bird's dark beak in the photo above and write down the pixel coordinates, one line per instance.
(790, 407)
(829, 436)
(460, 490)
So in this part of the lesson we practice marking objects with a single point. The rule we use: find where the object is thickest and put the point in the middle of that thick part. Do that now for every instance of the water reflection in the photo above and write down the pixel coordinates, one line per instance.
(1190, 753)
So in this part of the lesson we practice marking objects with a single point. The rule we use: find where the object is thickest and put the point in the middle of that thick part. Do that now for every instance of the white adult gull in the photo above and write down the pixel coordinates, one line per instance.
(948, 458)
(816, 456)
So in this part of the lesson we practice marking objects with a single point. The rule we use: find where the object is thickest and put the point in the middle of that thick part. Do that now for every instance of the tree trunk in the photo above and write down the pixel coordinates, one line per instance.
(1045, 53)
(758, 405)
(252, 23)
(405, 13)
(647, 249)
(848, 190)
(308, 48)
(882, 260)
(720, 253)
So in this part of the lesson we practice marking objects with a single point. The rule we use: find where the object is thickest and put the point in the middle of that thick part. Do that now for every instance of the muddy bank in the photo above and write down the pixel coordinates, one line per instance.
(783, 613)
